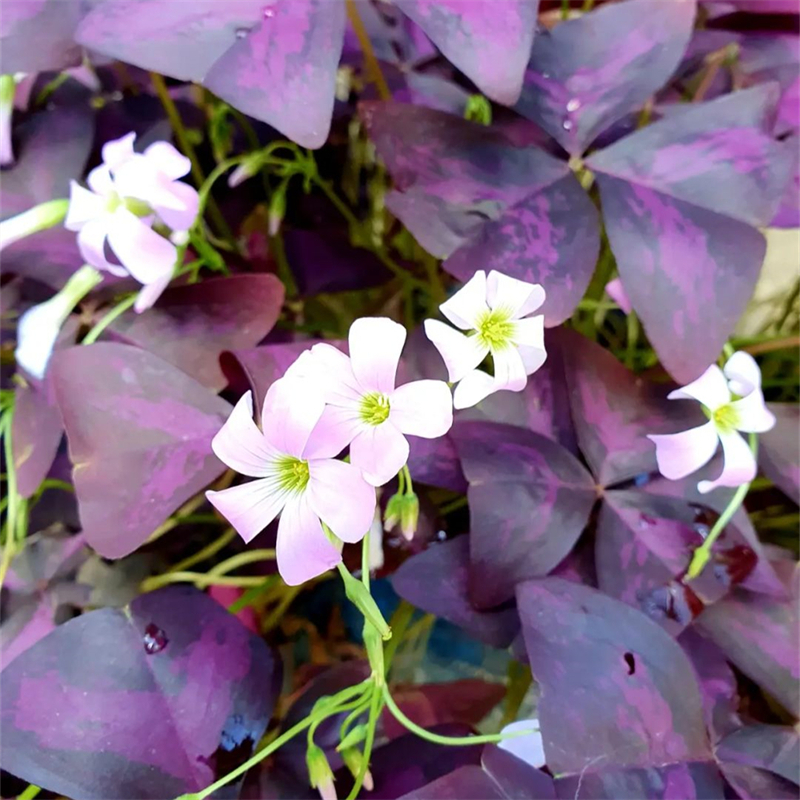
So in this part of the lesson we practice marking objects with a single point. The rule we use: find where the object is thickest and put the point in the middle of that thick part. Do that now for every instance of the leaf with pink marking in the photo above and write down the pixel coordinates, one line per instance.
(191, 326)
(139, 433)
(489, 42)
(588, 73)
(529, 501)
(152, 701)
(613, 682)
(779, 455)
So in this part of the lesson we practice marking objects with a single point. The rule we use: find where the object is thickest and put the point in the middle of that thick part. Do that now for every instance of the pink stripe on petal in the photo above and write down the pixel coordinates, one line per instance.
(146, 255)
(303, 549)
(460, 353)
(168, 160)
(118, 151)
(240, 445)
(740, 464)
(375, 346)
(422, 408)
(711, 389)
(84, 206)
(473, 387)
(379, 451)
(743, 373)
(680, 454)
(518, 297)
(337, 427)
(465, 307)
(291, 409)
(249, 507)
(753, 414)
(343, 500)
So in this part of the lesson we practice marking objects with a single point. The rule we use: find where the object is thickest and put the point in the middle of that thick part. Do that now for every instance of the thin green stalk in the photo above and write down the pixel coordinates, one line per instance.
(118, 310)
(241, 559)
(29, 793)
(372, 723)
(632, 339)
(11, 493)
(399, 623)
(373, 66)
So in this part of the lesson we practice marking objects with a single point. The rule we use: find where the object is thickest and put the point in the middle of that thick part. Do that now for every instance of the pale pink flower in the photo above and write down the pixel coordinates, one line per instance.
(616, 291)
(128, 194)
(495, 311)
(680, 454)
(364, 408)
(296, 478)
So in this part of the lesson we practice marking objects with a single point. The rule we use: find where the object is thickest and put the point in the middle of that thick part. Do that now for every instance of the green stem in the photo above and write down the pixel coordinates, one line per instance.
(373, 67)
(702, 554)
(11, 489)
(374, 712)
(399, 622)
(30, 792)
(118, 310)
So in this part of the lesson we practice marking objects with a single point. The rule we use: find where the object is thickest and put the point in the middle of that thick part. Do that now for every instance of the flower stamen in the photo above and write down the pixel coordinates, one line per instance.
(495, 329)
(725, 418)
(374, 408)
(293, 474)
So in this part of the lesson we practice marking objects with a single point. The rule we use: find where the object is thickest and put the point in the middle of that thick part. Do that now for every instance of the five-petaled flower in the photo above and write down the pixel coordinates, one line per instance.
(495, 311)
(128, 194)
(733, 401)
(296, 478)
(364, 408)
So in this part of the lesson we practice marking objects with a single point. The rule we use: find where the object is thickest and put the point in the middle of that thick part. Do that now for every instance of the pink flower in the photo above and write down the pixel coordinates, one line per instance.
(364, 408)
(296, 478)
(495, 312)
(128, 194)
(680, 454)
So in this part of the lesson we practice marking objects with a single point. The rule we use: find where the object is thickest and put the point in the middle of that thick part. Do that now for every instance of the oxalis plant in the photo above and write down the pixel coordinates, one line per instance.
(466, 322)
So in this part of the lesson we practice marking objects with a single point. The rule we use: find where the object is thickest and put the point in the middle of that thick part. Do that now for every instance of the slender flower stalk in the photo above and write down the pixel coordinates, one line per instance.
(7, 87)
(39, 218)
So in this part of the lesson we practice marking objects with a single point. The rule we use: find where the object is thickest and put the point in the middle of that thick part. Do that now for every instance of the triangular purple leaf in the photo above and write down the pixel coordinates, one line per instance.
(779, 455)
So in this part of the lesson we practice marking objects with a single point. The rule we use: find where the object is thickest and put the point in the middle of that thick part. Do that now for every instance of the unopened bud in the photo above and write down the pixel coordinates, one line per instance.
(354, 736)
(246, 170)
(402, 510)
(354, 760)
(320, 775)
(7, 86)
(39, 218)
(277, 210)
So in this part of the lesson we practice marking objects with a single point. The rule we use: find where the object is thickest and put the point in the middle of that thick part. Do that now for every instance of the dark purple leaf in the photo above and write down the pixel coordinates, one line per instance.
(150, 703)
(139, 434)
(613, 411)
(589, 72)
(672, 782)
(39, 35)
(752, 783)
(614, 684)
(771, 747)
(779, 455)
(529, 501)
(436, 581)
(190, 326)
(489, 42)
(759, 635)
(761, 6)
(466, 783)
(274, 61)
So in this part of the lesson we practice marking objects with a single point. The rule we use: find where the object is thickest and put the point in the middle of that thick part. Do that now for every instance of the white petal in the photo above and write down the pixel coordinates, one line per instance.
(83, 207)
(711, 389)
(743, 373)
(529, 748)
(460, 353)
(375, 347)
(740, 464)
(291, 409)
(168, 160)
(147, 256)
(150, 292)
(379, 451)
(100, 181)
(249, 507)
(519, 298)
(341, 498)
(465, 307)
(37, 331)
(333, 370)
(180, 212)
(509, 371)
(422, 408)
(91, 243)
(752, 413)
(473, 387)
(118, 151)
(681, 454)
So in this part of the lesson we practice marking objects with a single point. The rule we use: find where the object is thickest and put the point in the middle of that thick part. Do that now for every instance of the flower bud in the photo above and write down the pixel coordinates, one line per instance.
(39, 218)
(402, 509)
(7, 86)
(277, 209)
(320, 775)
(354, 760)
(249, 167)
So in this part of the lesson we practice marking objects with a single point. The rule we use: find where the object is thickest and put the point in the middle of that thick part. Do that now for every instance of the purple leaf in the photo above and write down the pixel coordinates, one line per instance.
(529, 501)
(274, 61)
(760, 637)
(436, 580)
(190, 326)
(613, 411)
(435, 462)
(550, 237)
(38, 35)
(779, 455)
(466, 783)
(751, 783)
(671, 782)
(151, 702)
(139, 434)
(589, 72)
(771, 747)
(489, 42)
(613, 682)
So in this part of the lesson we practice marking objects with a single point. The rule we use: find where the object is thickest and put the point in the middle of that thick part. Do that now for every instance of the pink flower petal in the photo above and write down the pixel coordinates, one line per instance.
(147, 256)
(341, 498)
(680, 454)
(249, 507)
(743, 373)
(616, 291)
(753, 414)
(465, 307)
(150, 292)
(379, 451)
(332, 369)
(422, 408)
(473, 387)
(240, 445)
(740, 464)
(291, 409)
(303, 549)
(460, 353)
(375, 346)
(509, 371)
(91, 244)
(337, 427)
(181, 212)
(168, 160)
(100, 181)
(84, 206)
(711, 389)
(520, 298)
(118, 151)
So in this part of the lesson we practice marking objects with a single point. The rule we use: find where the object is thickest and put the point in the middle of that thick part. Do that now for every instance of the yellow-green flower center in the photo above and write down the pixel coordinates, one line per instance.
(292, 474)
(137, 207)
(725, 418)
(374, 408)
(494, 329)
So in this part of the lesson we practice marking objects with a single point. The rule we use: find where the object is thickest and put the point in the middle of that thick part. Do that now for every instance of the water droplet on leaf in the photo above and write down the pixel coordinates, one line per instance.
(567, 124)
(242, 32)
(573, 105)
(154, 639)
(268, 12)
